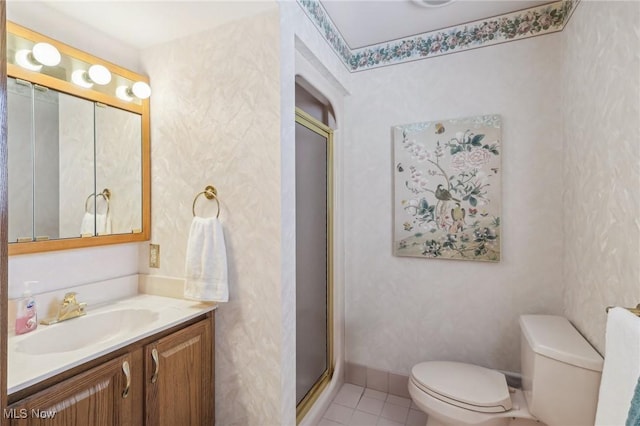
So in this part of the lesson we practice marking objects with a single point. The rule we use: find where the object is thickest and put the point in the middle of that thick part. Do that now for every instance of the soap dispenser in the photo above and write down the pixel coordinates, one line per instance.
(26, 313)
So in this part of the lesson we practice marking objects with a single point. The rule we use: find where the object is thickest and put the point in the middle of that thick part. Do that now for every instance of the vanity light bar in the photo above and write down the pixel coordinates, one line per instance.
(45, 54)
(35, 57)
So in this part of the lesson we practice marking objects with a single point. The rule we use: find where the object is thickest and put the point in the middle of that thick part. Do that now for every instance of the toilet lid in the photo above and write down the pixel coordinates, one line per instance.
(464, 385)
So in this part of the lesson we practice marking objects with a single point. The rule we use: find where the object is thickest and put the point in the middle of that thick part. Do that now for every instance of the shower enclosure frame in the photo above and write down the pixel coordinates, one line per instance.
(323, 381)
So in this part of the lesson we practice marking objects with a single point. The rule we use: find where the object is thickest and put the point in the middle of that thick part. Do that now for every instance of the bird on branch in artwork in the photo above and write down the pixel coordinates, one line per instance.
(457, 214)
(444, 195)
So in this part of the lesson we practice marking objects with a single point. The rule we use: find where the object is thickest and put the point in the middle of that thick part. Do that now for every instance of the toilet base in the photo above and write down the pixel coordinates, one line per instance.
(441, 413)
(432, 421)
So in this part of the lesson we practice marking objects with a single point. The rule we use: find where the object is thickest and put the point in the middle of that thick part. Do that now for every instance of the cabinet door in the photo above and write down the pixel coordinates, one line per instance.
(96, 397)
(178, 377)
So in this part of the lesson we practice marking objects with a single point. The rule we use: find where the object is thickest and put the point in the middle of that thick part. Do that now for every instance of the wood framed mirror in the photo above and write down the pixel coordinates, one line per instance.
(79, 148)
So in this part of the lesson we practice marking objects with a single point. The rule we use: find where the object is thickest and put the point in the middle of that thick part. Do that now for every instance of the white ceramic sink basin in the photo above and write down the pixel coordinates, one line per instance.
(78, 333)
(107, 326)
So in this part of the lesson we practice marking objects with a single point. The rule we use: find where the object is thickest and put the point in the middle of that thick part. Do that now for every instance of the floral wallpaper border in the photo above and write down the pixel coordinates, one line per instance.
(545, 19)
(320, 18)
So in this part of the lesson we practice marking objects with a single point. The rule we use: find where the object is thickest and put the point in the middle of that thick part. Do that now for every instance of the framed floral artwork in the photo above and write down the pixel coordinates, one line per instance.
(447, 189)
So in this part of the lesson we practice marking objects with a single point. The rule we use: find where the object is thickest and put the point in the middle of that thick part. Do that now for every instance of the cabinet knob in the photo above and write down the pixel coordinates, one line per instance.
(127, 373)
(156, 363)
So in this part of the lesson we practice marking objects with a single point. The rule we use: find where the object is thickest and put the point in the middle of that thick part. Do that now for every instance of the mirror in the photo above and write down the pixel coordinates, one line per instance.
(118, 161)
(78, 150)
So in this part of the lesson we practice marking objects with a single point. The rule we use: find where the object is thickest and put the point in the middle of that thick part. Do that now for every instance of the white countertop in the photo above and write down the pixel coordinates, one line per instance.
(25, 370)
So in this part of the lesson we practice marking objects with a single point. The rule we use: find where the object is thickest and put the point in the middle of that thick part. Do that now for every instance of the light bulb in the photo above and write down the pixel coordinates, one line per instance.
(99, 74)
(46, 54)
(24, 59)
(79, 77)
(124, 93)
(141, 89)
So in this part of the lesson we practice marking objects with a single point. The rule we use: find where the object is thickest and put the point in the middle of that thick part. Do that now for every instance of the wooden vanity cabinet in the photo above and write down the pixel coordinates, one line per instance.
(94, 397)
(169, 381)
(179, 378)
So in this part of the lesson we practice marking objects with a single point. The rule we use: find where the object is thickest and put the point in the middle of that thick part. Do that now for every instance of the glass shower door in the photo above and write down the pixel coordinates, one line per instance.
(314, 364)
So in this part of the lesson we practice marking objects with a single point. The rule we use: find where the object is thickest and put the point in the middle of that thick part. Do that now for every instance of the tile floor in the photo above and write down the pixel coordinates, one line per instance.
(358, 406)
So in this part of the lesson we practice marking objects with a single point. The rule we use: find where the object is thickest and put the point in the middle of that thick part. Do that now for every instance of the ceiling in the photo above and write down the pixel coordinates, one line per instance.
(145, 23)
(141, 24)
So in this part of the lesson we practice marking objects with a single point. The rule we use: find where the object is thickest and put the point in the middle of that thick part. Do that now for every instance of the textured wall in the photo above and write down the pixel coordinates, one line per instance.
(302, 44)
(602, 163)
(400, 311)
(216, 120)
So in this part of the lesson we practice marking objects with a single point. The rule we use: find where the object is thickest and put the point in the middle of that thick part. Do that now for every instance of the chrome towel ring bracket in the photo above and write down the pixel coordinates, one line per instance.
(210, 193)
(106, 194)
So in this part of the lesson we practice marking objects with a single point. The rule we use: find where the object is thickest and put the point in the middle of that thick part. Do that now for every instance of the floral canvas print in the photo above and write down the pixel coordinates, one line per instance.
(447, 189)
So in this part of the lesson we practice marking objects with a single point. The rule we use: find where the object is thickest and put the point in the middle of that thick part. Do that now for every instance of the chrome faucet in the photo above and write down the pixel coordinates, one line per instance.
(69, 308)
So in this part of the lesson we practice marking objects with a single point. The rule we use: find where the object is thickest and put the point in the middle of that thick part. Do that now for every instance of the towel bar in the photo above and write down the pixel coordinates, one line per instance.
(635, 311)
(106, 194)
(210, 193)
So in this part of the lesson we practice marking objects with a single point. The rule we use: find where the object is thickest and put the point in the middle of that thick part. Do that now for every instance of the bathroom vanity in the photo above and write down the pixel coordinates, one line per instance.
(159, 371)
(80, 177)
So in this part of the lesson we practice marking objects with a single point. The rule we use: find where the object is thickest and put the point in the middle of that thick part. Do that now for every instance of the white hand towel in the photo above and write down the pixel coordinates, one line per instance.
(621, 367)
(103, 224)
(88, 223)
(206, 263)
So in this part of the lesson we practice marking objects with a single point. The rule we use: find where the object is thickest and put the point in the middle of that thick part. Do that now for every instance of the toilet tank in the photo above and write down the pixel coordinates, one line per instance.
(560, 371)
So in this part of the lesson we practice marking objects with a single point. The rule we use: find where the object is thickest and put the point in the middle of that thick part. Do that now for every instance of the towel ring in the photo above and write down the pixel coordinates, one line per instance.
(635, 311)
(210, 193)
(106, 194)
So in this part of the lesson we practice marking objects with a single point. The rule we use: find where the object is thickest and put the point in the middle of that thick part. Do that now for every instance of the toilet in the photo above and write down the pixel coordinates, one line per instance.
(560, 381)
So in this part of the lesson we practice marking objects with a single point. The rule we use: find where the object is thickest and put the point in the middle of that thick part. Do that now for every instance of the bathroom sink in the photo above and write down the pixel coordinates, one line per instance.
(84, 331)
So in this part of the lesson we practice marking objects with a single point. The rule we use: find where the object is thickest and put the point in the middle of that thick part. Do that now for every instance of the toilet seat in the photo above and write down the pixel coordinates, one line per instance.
(463, 385)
